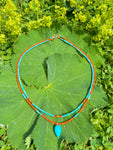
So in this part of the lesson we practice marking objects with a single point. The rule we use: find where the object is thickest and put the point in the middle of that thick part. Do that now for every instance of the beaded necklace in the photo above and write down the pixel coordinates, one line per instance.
(41, 112)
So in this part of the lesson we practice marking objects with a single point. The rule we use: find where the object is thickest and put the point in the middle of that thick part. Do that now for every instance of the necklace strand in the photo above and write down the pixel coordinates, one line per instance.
(34, 106)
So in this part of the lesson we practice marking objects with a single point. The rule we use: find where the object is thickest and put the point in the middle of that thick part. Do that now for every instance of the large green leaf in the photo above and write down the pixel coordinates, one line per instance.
(56, 79)
(39, 54)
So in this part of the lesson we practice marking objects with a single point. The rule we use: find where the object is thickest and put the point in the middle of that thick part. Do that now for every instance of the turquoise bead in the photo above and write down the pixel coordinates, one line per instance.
(57, 130)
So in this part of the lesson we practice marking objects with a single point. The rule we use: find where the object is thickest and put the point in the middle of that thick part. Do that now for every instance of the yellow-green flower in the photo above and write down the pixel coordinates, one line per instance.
(2, 38)
(46, 21)
(34, 5)
(60, 13)
(73, 3)
(10, 20)
(33, 24)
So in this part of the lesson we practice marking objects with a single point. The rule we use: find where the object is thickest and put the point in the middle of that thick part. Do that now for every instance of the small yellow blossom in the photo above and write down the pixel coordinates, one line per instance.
(46, 21)
(60, 13)
(2, 38)
(90, 2)
(57, 7)
(73, 3)
(96, 20)
(81, 7)
(80, 16)
(10, 20)
(26, 10)
(103, 7)
(34, 5)
(33, 25)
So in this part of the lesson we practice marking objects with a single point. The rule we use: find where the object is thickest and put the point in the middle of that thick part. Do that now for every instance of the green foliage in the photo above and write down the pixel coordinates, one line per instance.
(92, 17)
(105, 79)
(28, 142)
(97, 17)
(4, 143)
(103, 123)
(60, 67)
(9, 22)
(10, 28)
(2, 131)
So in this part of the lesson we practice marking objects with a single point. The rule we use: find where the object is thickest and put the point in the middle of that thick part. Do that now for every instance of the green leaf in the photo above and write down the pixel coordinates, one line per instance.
(28, 142)
(2, 131)
(1, 143)
(110, 111)
(56, 79)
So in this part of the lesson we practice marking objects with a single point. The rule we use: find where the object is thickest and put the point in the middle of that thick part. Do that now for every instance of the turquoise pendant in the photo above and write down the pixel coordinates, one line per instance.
(57, 130)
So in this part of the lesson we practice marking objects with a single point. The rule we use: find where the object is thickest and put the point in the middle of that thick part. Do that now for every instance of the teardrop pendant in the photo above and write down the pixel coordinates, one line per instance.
(57, 130)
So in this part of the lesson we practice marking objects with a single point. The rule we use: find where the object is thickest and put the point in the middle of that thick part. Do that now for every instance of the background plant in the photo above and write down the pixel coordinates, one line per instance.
(92, 17)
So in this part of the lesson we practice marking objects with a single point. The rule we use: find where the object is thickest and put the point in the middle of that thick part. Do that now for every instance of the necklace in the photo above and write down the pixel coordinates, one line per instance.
(41, 112)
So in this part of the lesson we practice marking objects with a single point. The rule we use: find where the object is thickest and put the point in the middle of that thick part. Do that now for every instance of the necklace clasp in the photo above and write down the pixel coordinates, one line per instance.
(55, 36)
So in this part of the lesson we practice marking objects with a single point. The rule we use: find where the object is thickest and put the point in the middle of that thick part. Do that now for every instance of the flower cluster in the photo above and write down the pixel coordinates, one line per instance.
(96, 15)
(34, 6)
(73, 3)
(33, 24)
(10, 20)
(36, 17)
(79, 16)
(45, 21)
(2, 38)
(60, 13)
